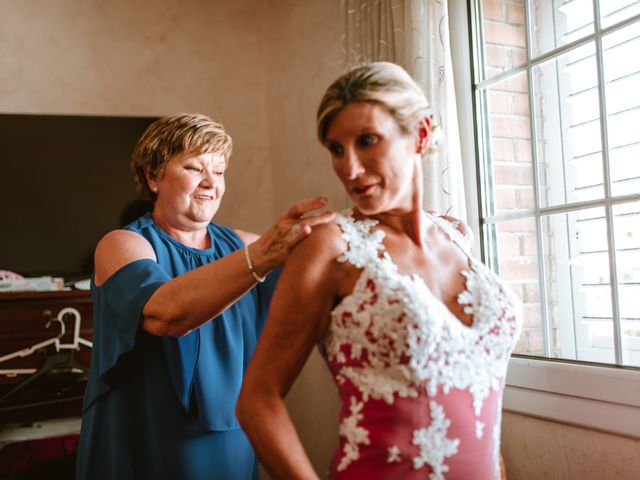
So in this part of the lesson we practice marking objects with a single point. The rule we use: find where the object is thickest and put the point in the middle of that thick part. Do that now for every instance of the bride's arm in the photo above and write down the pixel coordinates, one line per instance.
(298, 317)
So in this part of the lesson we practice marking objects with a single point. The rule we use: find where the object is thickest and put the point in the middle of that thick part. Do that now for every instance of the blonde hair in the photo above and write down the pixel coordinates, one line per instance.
(185, 133)
(383, 83)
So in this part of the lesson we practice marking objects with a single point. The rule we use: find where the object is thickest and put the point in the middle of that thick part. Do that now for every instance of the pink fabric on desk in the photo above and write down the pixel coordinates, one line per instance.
(421, 392)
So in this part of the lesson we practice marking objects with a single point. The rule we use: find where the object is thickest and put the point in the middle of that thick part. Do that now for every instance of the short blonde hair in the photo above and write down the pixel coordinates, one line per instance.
(185, 133)
(383, 83)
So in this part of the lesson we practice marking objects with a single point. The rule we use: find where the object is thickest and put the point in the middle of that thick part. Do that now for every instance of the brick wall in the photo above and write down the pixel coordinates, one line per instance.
(511, 160)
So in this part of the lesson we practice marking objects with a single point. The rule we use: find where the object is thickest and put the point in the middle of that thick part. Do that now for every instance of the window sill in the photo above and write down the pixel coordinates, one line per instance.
(600, 398)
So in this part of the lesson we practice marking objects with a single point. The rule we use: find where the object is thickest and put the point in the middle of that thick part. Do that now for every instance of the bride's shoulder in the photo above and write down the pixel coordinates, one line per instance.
(325, 238)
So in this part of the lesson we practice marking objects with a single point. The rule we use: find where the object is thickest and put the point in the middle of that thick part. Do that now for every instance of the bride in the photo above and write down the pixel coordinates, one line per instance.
(416, 332)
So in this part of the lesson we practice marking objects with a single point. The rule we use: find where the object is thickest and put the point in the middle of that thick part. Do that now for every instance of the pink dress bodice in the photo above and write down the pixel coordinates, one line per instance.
(421, 392)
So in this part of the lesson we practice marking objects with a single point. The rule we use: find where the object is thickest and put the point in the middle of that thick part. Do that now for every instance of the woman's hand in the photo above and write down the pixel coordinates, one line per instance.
(272, 248)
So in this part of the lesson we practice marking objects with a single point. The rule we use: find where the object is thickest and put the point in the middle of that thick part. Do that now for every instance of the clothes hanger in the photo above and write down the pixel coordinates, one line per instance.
(34, 348)
(59, 361)
(74, 345)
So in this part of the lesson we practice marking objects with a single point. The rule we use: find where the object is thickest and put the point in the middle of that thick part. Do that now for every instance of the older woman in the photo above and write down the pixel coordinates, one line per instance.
(177, 315)
(415, 331)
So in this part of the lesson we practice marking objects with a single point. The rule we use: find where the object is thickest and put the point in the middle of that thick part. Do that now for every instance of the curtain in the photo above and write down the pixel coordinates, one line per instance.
(415, 35)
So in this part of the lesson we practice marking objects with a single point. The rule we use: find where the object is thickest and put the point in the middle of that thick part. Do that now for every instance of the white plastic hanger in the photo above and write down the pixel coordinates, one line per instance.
(74, 345)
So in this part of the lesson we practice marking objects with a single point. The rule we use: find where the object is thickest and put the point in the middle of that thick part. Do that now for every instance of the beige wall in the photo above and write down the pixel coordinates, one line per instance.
(260, 66)
(539, 449)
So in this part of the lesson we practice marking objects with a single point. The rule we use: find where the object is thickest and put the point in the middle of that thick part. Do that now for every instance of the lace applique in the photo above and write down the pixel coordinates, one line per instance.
(434, 445)
(353, 434)
(393, 454)
(363, 246)
(451, 228)
(479, 429)
(380, 384)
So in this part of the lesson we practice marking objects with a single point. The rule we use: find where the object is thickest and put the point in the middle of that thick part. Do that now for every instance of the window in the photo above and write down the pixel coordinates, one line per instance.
(556, 88)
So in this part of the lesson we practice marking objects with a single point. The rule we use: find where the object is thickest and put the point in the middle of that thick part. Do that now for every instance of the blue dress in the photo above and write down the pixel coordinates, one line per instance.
(164, 407)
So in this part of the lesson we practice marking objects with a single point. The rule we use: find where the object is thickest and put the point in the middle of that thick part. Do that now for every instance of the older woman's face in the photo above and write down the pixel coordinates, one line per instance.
(191, 188)
(372, 157)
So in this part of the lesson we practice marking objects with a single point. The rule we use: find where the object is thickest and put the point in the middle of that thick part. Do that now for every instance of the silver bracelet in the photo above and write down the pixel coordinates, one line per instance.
(258, 278)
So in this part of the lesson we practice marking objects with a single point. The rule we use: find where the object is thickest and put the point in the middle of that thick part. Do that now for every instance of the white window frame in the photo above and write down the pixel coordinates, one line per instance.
(597, 397)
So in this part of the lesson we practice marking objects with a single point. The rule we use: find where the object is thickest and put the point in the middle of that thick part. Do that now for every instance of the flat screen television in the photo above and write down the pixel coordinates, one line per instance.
(64, 182)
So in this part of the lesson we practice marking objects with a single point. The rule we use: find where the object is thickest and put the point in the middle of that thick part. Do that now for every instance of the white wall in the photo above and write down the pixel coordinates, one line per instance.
(259, 66)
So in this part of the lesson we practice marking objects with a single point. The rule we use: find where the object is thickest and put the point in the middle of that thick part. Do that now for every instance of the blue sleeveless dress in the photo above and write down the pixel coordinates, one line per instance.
(164, 407)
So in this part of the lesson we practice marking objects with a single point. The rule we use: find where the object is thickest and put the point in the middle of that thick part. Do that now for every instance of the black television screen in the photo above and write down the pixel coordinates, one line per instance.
(65, 182)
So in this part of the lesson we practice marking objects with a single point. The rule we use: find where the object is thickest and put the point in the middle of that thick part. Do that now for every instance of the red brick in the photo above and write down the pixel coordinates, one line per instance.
(519, 268)
(491, 71)
(523, 151)
(520, 104)
(525, 225)
(494, 10)
(500, 102)
(525, 198)
(518, 56)
(517, 83)
(515, 14)
(522, 345)
(498, 56)
(508, 246)
(510, 126)
(535, 341)
(531, 292)
(503, 34)
(529, 245)
(532, 316)
(505, 198)
(502, 149)
(516, 287)
(514, 174)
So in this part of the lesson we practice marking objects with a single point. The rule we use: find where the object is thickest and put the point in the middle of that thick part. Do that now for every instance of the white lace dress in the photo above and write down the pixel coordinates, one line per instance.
(421, 392)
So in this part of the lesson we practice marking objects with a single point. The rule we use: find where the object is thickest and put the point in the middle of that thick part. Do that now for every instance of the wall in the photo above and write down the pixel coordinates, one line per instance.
(259, 66)
(535, 448)
(302, 67)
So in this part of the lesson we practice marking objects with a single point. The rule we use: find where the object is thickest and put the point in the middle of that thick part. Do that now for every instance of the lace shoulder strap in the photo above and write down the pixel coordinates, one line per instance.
(363, 245)
(451, 229)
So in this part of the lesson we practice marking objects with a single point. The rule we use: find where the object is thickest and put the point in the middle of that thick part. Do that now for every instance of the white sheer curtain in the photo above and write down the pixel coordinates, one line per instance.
(415, 34)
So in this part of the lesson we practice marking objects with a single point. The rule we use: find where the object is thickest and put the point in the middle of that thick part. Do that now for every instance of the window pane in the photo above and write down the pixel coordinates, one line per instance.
(622, 78)
(504, 36)
(508, 162)
(515, 257)
(613, 11)
(572, 19)
(577, 285)
(568, 128)
(626, 221)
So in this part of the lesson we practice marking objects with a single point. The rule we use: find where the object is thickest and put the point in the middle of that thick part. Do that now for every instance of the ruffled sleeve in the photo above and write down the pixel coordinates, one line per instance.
(118, 305)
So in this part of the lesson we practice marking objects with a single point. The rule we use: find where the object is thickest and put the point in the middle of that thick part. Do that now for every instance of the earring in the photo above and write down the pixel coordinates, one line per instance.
(154, 189)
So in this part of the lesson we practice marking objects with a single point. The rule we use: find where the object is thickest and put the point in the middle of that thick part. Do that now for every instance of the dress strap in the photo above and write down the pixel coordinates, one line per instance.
(450, 228)
(363, 245)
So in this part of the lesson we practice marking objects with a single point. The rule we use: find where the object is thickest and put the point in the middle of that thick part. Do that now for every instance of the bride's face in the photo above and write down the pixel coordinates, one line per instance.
(373, 158)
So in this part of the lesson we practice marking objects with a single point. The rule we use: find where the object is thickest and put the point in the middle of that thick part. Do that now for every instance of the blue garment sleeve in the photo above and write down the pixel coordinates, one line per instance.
(118, 305)
(265, 292)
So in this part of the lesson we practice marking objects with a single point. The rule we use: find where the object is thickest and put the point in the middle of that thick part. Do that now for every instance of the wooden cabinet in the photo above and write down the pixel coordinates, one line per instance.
(31, 318)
